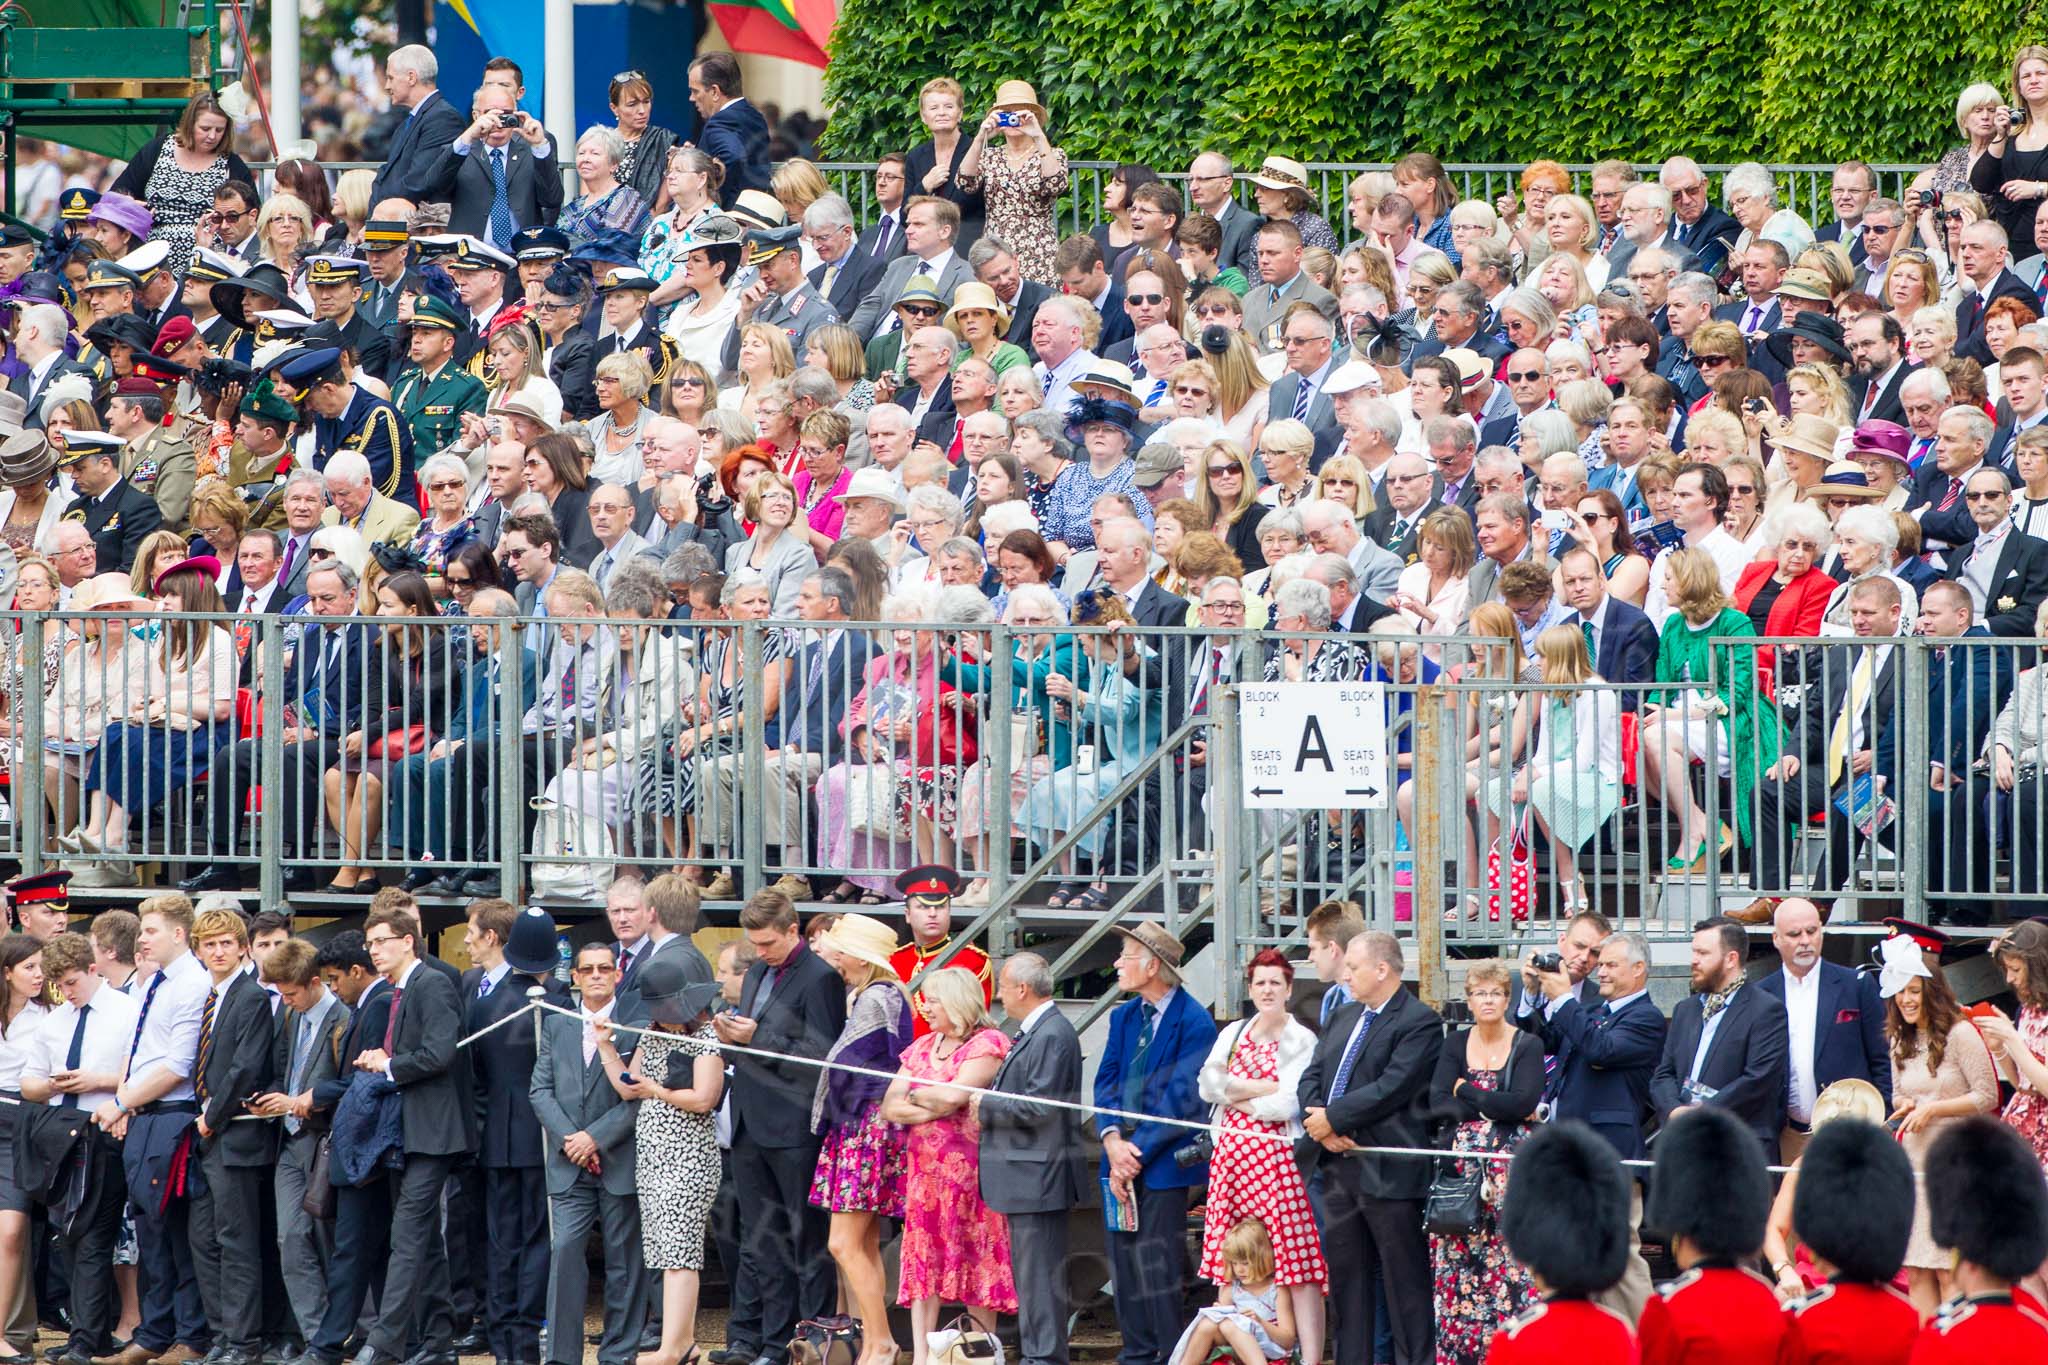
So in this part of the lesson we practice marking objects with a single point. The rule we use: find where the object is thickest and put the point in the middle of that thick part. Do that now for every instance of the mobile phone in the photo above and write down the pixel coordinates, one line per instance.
(628, 1078)
(1554, 520)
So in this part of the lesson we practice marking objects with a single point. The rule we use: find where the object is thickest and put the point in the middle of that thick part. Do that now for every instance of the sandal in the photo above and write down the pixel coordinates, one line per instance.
(872, 898)
(842, 894)
(1093, 899)
(1065, 895)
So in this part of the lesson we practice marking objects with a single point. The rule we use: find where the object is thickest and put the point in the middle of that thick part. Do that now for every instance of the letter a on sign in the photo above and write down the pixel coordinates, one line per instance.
(1313, 746)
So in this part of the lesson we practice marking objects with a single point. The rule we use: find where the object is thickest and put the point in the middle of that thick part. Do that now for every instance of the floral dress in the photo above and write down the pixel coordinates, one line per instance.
(1020, 202)
(1479, 1283)
(2026, 1113)
(955, 1248)
(1255, 1177)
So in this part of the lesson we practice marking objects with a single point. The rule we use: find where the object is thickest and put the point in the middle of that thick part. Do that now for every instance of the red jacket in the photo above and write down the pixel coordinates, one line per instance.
(1712, 1315)
(1798, 610)
(1565, 1332)
(1982, 1331)
(1850, 1324)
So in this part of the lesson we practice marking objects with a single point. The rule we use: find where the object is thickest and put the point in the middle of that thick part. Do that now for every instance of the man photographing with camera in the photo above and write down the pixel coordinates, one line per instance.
(1576, 955)
(500, 174)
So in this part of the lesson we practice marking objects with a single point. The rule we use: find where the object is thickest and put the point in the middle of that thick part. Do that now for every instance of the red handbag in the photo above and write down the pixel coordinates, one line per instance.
(1521, 876)
(399, 743)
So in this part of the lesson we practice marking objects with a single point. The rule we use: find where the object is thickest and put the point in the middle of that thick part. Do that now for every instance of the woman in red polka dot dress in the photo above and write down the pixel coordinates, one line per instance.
(1253, 1077)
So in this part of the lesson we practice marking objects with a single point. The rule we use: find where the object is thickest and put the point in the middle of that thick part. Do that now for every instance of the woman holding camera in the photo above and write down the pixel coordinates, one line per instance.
(1253, 1076)
(1021, 181)
(2012, 175)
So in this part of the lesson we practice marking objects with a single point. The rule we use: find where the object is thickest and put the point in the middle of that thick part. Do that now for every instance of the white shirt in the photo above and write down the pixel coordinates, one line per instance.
(1033, 1017)
(1802, 1006)
(590, 1020)
(1707, 1032)
(1729, 555)
(404, 979)
(1059, 395)
(16, 1048)
(1983, 563)
(109, 1027)
(170, 1024)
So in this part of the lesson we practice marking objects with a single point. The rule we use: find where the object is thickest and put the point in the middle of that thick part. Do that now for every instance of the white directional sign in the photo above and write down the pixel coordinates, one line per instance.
(1314, 745)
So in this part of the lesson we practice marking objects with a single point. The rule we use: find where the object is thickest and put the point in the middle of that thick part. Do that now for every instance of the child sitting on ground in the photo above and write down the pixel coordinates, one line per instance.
(1251, 1320)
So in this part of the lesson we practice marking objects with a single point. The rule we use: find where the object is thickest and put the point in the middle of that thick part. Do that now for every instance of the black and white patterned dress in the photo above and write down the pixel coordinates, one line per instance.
(677, 1158)
(179, 199)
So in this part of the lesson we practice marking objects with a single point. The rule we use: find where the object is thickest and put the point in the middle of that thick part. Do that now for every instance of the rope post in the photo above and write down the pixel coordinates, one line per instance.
(1426, 839)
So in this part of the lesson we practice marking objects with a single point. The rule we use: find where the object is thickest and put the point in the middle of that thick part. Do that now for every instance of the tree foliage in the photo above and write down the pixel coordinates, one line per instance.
(1472, 80)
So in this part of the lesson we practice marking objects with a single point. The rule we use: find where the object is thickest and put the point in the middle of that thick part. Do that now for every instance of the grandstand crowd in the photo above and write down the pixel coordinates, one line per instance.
(573, 446)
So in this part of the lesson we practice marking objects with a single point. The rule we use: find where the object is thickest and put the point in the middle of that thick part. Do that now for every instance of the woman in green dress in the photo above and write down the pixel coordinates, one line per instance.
(1711, 713)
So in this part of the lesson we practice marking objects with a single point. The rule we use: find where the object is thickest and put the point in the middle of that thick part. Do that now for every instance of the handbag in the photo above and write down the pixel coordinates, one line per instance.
(398, 743)
(1197, 1150)
(1520, 873)
(960, 1342)
(1457, 1192)
(830, 1340)
(318, 1199)
(1024, 741)
(876, 804)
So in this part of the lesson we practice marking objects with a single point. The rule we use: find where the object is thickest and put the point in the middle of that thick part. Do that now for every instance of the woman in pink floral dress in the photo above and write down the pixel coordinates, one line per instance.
(1021, 181)
(2021, 1049)
(955, 1248)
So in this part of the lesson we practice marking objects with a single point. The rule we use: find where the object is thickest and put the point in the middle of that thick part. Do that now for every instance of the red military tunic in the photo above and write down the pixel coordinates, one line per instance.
(910, 959)
(1988, 1330)
(1712, 1315)
(1850, 1324)
(1565, 1332)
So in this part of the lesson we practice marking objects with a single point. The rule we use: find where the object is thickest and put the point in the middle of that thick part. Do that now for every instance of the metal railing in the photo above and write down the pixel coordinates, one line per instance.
(545, 754)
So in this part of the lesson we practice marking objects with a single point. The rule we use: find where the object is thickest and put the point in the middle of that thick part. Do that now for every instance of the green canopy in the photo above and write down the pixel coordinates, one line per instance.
(97, 40)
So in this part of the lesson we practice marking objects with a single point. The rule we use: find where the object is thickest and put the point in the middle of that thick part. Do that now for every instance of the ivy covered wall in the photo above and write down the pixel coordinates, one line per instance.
(1472, 80)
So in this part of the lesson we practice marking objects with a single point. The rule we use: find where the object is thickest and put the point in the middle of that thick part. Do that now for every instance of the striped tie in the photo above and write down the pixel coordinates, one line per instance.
(1048, 381)
(205, 1042)
(1302, 396)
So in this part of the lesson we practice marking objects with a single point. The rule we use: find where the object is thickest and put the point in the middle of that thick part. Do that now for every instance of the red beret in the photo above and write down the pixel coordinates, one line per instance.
(135, 386)
(175, 333)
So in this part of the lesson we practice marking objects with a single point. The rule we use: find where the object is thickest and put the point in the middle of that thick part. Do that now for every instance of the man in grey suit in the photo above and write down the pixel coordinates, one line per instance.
(1282, 283)
(1308, 338)
(929, 226)
(1210, 180)
(1029, 1150)
(520, 155)
(590, 1171)
(308, 1053)
(1646, 222)
(677, 908)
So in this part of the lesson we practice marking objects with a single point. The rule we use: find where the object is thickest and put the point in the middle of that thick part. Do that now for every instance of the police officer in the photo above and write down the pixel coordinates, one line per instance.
(537, 249)
(336, 283)
(348, 418)
(434, 392)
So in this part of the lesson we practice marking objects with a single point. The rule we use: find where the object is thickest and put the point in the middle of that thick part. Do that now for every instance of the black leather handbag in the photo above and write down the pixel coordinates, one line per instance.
(1457, 1193)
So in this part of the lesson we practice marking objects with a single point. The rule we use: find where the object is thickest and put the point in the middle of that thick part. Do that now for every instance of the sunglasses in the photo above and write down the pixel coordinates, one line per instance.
(1149, 300)
(1190, 389)
(1220, 471)
(1985, 495)
(320, 554)
(445, 485)
(1743, 488)
(1594, 516)
(1713, 362)
(919, 310)
(1524, 376)
(463, 582)
(628, 77)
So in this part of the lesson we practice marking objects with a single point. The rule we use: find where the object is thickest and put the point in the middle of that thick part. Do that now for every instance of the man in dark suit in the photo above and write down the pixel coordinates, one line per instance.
(1758, 312)
(1697, 223)
(791, 1002)
(994, 263)
(324, 692)
(1298, 391)
(499, 177)
(1211, 178)
(431, 124)
(235, 1061)
(1877, 346)
(845, 274)
(1029, 1169)
(509, 952)
(1986, 277)
(1967, 684)
(42, 357)
(1578, 954)
(1727, 1043)
(1622, 640)
(673, 908)
(1963, 435)
(1368, 1086)
(305, 1055)
(1123, 550)
(883, 240)
(418, 1056)
(1606, 1053)
(362, 1213)
(1157, 1043)
(2017, 581)
(733, 129)
(1459, 313)
(1834, 1021)
(590, 1172)
(1408, 494)
(117, 515)
(1845, 729)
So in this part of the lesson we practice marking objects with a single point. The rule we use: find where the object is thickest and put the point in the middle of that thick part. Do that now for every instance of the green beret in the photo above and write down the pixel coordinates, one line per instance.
(263, 400)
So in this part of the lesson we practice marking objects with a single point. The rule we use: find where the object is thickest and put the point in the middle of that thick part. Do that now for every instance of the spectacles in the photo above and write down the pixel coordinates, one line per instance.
(1299, 341)
(1712, 362)
(511, 553)
(1524, 376)
(1340, 483)
(1744, 488)
(1393, 478)
(1224, 608)
(1214, 310)
(592, 968)
(1149, 300)
(446, 484)
(381, 939)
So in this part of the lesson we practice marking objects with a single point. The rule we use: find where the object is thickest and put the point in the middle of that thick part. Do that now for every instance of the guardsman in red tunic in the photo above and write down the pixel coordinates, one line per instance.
(1710, 1195)
(1986, 1198)
(928, 893)
(1566, 1218)
(1853, 1210)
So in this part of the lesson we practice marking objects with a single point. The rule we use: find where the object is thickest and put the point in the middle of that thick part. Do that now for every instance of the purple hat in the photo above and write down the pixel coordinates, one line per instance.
(1888, 439)
(123, 212)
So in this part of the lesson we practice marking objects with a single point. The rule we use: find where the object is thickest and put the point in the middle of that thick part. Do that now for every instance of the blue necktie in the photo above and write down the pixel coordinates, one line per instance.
(1302, 396)
(1342, 1081)
(1134, 1079)
(501, 201)
(148, 999)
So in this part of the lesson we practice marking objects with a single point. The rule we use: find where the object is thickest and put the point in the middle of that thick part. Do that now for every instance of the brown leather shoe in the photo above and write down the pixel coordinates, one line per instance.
(179, 1354)
(1758, 911)
(130, 1354)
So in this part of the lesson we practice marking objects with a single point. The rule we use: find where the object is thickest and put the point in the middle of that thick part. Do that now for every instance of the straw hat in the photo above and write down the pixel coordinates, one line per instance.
(103, 591)
(1809, 435)
(862, 938)
(1020, 95)
(975, 294)
(1281, 173)
(1844, 479)
(26, 458)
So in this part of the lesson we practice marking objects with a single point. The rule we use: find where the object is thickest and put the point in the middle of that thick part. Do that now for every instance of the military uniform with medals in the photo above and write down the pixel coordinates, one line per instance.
(432, 405)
